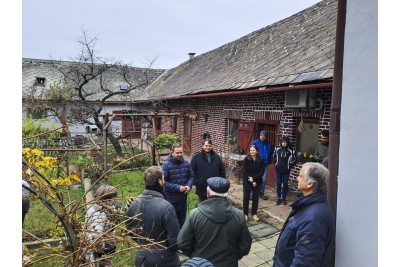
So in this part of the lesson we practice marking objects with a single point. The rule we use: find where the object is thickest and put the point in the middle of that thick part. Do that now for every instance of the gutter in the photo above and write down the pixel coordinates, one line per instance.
(334, 131)
(253, 91)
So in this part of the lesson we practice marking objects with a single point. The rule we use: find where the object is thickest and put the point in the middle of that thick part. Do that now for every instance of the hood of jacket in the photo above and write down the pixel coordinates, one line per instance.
(216, 209)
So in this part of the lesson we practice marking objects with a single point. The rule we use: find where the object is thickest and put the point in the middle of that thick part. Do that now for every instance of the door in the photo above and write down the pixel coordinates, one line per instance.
(245, 135)
(131, 128)
(272, 129)
(187, 136)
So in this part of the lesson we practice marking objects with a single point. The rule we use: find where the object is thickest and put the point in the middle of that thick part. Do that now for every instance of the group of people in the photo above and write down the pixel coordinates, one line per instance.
(215, 232)
(255, 170)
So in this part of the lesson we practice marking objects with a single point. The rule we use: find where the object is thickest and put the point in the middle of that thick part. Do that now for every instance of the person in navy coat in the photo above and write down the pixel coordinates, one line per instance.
(307, 236)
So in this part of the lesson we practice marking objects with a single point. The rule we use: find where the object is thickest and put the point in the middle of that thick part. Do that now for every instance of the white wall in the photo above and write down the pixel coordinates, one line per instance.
(357, 206)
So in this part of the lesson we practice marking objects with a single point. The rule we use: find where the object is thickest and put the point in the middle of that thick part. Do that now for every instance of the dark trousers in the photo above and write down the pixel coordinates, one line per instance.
(25, 208)
(255, 191)
(282, 178)
(180, 210)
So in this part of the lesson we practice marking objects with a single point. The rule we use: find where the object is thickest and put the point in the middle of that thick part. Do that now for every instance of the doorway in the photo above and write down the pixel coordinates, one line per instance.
(272, 129)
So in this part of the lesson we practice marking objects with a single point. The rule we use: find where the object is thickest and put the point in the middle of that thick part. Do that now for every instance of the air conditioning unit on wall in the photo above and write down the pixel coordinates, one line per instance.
(300, 98)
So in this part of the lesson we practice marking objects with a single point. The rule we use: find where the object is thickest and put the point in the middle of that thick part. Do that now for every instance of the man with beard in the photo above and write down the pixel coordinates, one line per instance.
(153, 224)
(321, 150)
(206, 164)
(178, 177)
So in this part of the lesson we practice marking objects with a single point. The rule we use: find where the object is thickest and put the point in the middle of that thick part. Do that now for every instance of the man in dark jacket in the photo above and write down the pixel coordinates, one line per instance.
(284, 159)
(307, 236)
(178, 177)
(216, 230)
(266, 150)
(153, 224)
(206, 164)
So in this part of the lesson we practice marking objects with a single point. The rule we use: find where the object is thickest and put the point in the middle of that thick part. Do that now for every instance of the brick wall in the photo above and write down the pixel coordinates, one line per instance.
(217, 124)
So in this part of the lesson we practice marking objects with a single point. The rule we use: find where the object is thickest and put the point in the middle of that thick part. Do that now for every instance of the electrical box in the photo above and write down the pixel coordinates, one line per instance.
(300, 98)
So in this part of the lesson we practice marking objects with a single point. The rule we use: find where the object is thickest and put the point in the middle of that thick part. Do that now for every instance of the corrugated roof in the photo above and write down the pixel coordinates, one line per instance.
(300, 45)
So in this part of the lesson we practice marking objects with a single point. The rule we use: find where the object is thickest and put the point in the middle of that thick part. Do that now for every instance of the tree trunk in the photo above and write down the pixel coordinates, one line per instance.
(115, 142)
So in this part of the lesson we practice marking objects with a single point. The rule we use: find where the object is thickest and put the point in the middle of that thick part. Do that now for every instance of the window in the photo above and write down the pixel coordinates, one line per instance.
(233, 135)
(308, 138)
(40, 81)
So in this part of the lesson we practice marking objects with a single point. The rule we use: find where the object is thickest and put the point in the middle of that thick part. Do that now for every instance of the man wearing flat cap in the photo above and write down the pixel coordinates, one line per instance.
(266, 151)
(216, 230)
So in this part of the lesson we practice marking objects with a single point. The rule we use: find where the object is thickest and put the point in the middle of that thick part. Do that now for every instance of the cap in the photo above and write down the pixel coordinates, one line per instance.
(263, 133)
(197, 262)
(218, 184)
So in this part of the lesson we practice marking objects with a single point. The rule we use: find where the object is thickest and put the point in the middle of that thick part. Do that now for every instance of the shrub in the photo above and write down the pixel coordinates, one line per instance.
(165, 141)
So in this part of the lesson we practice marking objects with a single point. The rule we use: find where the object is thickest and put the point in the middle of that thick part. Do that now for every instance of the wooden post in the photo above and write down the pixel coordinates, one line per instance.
(105, 126)
(154, 121)
(175, 125)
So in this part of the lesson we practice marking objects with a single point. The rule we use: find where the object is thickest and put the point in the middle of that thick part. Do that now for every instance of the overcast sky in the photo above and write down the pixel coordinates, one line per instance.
(134, 31)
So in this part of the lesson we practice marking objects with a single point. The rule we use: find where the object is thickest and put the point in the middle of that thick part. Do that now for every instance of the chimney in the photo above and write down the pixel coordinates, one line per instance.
(191, 55)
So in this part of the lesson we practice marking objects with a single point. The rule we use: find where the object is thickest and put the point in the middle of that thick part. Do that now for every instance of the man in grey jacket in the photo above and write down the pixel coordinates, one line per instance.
(216, 230)
(153, 224)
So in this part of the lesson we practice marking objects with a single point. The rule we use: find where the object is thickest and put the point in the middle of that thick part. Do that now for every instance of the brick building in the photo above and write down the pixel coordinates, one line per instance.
(271, 79)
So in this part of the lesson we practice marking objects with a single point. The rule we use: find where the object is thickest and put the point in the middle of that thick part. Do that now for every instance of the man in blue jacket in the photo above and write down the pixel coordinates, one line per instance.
(307, 236)
(266, 150)
(179, 178)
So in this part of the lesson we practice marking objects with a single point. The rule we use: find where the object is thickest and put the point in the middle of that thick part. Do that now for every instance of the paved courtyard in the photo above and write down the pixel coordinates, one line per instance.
(265, 232)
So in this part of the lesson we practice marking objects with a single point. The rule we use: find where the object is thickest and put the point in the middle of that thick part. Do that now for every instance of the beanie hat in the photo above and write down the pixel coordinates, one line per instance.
(197, 262)
(263, 133)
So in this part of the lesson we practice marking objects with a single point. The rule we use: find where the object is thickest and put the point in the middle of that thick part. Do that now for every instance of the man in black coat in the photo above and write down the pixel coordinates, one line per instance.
(206, 164)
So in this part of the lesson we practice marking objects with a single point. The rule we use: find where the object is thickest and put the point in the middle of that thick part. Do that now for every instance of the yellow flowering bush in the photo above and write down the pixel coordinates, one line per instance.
(36, 158)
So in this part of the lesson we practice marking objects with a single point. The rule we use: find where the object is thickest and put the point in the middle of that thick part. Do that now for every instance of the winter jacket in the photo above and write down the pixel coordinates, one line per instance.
(215, 231)
(100, 230)
(321, 151)
(307, 236)
(253, 168)
(265, 150)
(151, 216)
(284, 159)
(203, 170)
(176, 174)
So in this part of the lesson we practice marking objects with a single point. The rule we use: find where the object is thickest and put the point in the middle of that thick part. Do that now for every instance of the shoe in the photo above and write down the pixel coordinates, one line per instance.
(255, 218)
(278, 201)
(263, 197)
(284, 202)
(245, 218)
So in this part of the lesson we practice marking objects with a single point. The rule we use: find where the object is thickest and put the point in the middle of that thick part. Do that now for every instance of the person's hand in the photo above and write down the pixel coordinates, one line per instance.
(250, 179)
(254, 184)
(182, 188)
(187, 189)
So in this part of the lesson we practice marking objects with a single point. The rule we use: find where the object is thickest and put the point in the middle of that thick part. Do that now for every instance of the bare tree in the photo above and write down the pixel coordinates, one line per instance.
(88, 83)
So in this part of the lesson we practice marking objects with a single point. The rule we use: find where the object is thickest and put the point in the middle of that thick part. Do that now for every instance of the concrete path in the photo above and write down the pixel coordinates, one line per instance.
(265, 232)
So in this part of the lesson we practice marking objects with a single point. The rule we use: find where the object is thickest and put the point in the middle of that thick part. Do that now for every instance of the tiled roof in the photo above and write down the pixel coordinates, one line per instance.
(297, 49)
(40, 68)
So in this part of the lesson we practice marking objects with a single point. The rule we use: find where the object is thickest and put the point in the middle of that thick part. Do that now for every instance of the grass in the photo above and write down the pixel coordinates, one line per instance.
(129, 184)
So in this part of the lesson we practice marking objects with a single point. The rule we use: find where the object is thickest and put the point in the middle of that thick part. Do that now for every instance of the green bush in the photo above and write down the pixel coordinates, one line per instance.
(141, 161)
(165, 141)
